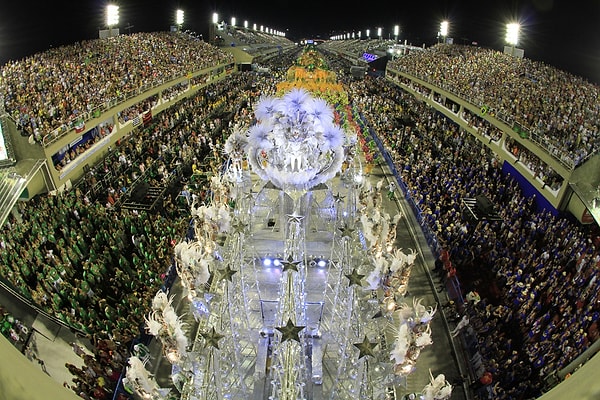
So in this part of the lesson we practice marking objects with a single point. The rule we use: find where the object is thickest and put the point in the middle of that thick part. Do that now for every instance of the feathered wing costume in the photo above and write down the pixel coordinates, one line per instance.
(437, 389)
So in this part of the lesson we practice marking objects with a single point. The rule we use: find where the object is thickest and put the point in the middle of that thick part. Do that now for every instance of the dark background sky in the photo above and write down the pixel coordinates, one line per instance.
(565, 34)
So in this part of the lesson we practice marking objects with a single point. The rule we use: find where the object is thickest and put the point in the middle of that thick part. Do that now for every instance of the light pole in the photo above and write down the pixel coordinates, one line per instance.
(512, 36)
(112, 18)
(179, 19)
(444, 30)
(212, 29)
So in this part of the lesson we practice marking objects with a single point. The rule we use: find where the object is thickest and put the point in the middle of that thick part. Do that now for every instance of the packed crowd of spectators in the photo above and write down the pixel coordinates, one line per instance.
(489, 132)
(98, 375)
(82, 258)
(13, 328)
(558, 108)
(532, 162)
(97, 266)
(540, 295)
(48, 90)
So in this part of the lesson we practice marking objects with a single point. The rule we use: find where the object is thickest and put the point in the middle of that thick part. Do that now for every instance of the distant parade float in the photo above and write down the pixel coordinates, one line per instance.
(311, 73)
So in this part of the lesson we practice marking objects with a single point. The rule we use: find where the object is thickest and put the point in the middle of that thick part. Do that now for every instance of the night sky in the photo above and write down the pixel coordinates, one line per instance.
(565, 34)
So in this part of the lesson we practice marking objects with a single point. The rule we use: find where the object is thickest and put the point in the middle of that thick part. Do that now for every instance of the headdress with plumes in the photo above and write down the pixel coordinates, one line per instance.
(295, 142)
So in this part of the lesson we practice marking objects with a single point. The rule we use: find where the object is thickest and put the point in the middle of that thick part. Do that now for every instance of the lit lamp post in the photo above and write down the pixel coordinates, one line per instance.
(444, 30)
(212, 29)
(112, 18)
(179, 19)
(512, 36)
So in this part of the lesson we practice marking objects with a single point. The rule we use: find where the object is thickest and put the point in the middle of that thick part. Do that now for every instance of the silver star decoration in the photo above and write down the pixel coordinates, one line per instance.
(226, 273)
(346, 231)
(239, 227)
(295, 217)
(290, 264)
(211, 338)
(338, 198)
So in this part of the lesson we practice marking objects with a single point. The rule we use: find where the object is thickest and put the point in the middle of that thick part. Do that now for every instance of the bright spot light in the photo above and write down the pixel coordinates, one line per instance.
(112, 15)
(512, 33)
(179, 17)
(444, 28)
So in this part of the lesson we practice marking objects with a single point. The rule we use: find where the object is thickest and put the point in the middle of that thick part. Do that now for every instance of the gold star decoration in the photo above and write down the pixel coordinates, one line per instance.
(365, 348)
(290, 264)
(354, 278)
(289, 331)
(226, 273)
(346, 231)
(211, 338)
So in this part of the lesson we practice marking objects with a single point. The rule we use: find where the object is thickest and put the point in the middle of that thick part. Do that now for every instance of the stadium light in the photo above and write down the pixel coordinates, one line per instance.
(368, 33)
(233, 21)
(212, 29)
(246, 24)
(179, 18)
(379, 31)
(112, 16)
(112, 19)
(512, 33)
(444, 29)
(396, 32)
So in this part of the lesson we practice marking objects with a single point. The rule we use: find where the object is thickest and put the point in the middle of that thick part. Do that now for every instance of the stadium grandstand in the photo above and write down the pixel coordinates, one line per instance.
(107, 153)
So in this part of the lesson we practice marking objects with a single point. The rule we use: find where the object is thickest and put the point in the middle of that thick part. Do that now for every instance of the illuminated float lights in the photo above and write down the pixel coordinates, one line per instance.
(269, 261)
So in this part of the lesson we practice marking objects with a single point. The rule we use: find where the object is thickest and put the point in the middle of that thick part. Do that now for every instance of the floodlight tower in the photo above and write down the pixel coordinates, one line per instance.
(112, 19)
(212, 29)
(379, 32)
(512, 36)
(396, 32)
(444, 25)
(179, 19)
